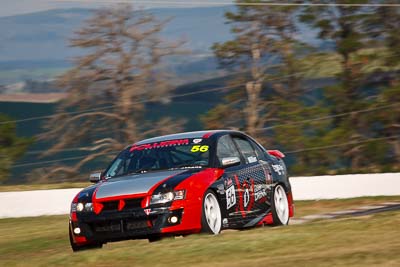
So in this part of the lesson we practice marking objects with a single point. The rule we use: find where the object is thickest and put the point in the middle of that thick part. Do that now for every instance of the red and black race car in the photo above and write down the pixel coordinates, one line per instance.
(181, 184)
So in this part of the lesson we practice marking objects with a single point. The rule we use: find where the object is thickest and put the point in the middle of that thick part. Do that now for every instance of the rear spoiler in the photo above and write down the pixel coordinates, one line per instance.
(276, 153)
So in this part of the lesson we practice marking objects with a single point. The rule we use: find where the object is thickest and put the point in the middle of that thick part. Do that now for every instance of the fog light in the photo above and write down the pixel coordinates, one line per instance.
(77, 230)
(173, 219)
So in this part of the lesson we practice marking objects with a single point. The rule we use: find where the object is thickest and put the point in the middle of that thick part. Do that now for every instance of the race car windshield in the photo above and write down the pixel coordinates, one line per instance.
(159, 156)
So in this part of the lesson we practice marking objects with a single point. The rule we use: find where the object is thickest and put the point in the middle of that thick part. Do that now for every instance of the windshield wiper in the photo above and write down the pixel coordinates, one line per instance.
(142, 170)
(188, 166)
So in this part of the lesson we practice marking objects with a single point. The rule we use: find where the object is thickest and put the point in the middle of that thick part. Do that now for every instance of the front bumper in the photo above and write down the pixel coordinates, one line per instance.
(116, 225)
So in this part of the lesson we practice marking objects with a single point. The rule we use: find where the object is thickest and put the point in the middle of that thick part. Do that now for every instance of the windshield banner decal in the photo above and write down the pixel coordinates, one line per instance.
(178, 142)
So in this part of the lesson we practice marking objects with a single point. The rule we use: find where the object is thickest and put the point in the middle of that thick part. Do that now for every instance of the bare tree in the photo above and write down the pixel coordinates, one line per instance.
(109, 85)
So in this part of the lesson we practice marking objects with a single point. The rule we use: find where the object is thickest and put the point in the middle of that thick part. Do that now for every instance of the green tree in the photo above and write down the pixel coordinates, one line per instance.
(12, 147)
(263, 36)
(265, 56)
(346, 27)
(387, 26)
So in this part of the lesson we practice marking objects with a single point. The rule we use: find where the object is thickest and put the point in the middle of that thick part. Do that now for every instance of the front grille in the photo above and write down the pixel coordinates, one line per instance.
(110, 206)
(133, 203)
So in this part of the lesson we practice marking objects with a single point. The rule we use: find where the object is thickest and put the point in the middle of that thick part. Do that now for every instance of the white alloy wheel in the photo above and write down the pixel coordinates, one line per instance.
(281, 205)
(212, 213)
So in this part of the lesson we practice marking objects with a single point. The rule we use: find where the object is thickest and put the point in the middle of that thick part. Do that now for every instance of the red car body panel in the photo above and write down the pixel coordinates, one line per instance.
(192, 204)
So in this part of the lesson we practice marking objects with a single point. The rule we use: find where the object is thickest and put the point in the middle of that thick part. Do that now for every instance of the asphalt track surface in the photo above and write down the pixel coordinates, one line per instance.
(375, 210)
(361, 211)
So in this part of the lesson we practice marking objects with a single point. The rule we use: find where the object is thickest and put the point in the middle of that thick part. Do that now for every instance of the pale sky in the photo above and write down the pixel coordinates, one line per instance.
(14, 7)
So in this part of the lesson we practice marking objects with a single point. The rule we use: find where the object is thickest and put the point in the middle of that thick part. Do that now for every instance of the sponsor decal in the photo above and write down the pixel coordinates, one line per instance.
(197, 140)
(252, 159)
(278, 168)
(228, 182)
(147, 211)
(267, 172)
(230, 197)
(260, 192)
(178, 142)
(246, 196)
(220, 189)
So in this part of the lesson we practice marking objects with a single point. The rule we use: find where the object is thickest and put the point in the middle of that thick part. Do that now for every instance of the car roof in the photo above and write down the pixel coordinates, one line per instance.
(190, 135)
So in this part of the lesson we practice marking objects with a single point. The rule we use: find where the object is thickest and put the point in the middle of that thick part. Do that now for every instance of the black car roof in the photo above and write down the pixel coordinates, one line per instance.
(197, 134)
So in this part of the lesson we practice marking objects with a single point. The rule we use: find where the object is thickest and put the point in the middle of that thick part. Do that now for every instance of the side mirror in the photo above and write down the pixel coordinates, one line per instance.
(230, 161)
(95, 177)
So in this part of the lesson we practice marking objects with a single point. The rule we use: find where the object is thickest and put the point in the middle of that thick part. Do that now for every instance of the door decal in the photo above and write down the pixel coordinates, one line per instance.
(246, 195)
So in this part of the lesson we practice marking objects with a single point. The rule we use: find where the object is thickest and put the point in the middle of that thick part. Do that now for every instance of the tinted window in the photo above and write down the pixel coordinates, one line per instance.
(159, 156)
(246, 149)
(226, 148)
(260, 153)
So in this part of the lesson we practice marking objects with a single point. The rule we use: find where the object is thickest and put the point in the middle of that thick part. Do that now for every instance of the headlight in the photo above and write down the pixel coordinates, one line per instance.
(162, 198)
(89, 207)
(167, 197)
(80, 207)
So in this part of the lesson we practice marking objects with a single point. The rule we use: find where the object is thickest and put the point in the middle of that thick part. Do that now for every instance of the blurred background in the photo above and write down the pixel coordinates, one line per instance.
(316, 79)
(80, 80)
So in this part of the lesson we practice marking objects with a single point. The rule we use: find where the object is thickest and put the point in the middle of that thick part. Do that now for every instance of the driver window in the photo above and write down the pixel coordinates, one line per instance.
(226, 148)
(246, 149)
(260, 154)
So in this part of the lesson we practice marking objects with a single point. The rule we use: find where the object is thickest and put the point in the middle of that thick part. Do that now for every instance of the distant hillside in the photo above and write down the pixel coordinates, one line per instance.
(44, 35)
(35, 46)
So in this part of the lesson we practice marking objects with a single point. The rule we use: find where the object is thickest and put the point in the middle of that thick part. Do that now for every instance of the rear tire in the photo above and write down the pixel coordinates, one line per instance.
(211, 219)
(280, 206)
(76, 248)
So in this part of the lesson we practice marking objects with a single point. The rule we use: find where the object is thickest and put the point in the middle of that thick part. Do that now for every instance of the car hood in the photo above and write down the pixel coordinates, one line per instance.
(133, 184)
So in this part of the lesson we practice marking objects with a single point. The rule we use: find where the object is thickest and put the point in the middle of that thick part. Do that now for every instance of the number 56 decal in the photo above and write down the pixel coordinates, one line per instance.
(230, 197)
(199, 148)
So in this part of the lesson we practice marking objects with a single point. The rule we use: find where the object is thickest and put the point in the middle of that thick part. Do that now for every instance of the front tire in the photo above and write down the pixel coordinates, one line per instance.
(280, 206)
(211, 220)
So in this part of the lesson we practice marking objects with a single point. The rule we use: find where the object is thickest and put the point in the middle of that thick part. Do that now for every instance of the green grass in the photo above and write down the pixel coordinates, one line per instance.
(362, 241)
